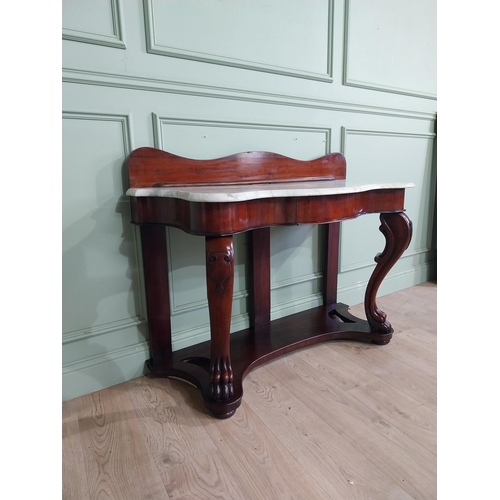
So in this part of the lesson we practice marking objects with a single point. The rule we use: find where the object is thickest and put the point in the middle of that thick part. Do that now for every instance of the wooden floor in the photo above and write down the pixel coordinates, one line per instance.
(339, 420)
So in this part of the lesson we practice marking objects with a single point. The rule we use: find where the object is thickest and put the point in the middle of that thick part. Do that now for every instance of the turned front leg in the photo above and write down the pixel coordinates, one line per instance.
(397, 229)
(220, 280)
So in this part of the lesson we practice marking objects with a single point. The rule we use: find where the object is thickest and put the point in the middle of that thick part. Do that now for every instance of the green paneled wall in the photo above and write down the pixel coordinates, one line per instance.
(204, 79)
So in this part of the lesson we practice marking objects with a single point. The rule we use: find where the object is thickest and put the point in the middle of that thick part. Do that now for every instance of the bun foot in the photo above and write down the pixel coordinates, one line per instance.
(222, 410)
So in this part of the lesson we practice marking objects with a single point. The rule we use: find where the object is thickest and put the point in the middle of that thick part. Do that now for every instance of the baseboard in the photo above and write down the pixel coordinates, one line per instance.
(393, 282)
(98, 372)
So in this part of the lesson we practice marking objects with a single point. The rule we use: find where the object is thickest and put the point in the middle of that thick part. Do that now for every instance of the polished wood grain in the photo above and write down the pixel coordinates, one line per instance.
(154, 250)
(219, 366)
(260, 278)
(331, 263)
(220, 281)
(149, 167)
(311, 421)
(223, 218)
(397, 229)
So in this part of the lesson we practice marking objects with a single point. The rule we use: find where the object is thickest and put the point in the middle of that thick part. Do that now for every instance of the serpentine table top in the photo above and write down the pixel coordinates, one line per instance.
(224, 193)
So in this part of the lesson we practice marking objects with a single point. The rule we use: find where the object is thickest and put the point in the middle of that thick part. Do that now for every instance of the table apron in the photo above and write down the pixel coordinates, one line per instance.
(223, 218)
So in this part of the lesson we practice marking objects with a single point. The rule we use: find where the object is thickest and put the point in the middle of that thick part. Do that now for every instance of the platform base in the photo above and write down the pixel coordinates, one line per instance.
(250, 349)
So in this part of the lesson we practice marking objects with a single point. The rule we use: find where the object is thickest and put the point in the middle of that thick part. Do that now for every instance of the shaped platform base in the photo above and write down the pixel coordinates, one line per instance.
(250, 349)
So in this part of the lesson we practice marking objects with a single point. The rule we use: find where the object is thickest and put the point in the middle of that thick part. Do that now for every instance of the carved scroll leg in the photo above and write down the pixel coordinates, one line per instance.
(220, 280)
(397, 229)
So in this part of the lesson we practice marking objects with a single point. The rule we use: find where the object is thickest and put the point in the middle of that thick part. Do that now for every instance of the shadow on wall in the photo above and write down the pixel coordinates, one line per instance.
(103, 300)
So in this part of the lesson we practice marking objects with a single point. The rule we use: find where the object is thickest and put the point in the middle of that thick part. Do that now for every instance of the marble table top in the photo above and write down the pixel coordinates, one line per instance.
(242, 192)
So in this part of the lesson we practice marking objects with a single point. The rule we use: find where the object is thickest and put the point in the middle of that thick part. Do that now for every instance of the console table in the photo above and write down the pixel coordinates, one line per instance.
(252, 192)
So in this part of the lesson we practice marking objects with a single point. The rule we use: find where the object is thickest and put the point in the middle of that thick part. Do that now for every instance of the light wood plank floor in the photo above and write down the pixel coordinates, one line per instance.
(339, 420)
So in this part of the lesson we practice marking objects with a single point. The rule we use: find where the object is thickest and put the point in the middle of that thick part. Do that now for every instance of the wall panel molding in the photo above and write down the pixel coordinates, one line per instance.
(366, 84)
(201, 304)
(158, 121)
(243, 294)
(155, 47)
(107, 357)
(276, 285)
(296, 305)
(383, 133)
(124, 120)
(103, 370)
(386, 133)
(96, 330)
(371, 263)
(345, 131)
(354, 293)
(210, 91)
(201, 333)
(114, 39)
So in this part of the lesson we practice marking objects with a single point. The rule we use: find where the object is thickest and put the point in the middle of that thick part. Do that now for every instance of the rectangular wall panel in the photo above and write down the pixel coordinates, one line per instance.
(99, 249)
(289, 37)
(388, 156)
(390, 46)
(93, 21)
(215, 139)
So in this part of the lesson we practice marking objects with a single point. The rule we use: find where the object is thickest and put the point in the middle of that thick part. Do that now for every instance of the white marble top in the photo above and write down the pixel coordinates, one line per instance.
(242, 192)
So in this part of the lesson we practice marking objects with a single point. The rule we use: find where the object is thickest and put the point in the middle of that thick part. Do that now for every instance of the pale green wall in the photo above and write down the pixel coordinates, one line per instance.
(207, 78)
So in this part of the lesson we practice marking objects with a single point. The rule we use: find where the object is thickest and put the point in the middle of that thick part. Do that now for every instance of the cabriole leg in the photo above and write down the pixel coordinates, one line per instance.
(397, 229)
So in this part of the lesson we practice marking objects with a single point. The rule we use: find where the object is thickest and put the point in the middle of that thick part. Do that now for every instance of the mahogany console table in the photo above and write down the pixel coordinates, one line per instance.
(252, 192)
